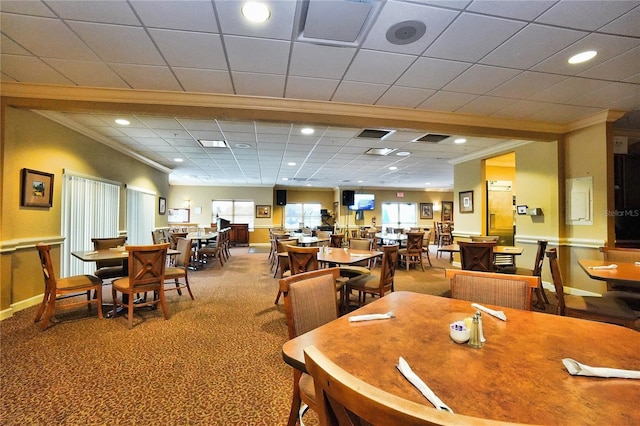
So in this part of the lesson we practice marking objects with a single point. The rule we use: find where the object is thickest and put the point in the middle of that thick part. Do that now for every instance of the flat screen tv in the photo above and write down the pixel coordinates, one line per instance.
(363, 202)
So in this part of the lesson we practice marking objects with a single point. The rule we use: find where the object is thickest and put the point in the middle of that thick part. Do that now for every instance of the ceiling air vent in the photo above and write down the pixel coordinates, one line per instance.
(374, 134)
(206, 143)
(432, 137)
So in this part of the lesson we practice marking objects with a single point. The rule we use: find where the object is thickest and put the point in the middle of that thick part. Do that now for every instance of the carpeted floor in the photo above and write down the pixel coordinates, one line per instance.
(216, 361)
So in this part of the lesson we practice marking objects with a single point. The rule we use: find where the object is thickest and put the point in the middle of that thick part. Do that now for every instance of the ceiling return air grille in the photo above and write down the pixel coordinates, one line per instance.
(337, 22)
(432, 137)
(374, 134)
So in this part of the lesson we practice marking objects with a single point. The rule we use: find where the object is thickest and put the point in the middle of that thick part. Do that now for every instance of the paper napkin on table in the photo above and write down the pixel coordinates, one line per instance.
(497, 314)
(612, 266)
(577, 369)
(369, 317)
(90, 253)
(413, 378)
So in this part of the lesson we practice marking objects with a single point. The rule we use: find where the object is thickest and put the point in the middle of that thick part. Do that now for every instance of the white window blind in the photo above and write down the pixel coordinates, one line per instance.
(140, 216)
(90, 209)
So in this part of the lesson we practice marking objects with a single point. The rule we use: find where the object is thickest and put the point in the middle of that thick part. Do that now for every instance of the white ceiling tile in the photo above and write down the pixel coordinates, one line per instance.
(447, 101)
(532, 45)
(279, 25)
(568, 89)
(562, 113)
(179, 15)
(267, 56)
(609, 93)
(627, 24)
(111, 11)
(118, 43)
(394, 12)
(28, 69)
(522, 109)
(30, 32)
(312, 60)
(8, 46)
(204, 81)
(34, 8)
(524, 9)
(147, 77)
(93, 74)
(258, 84)
(480, 79)
(619, 68)
(485, 105)
(526, 84)
(205, 50)
(378, 67)
(405, 97)
(428, 73)
(310, 88)
(585, 15)
(471, 37)
(359, 93)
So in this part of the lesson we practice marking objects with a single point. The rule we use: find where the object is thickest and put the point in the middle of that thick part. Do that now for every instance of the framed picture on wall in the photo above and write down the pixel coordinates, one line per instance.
(162, 205)
(263, 211)
(426, 210)
(446, 215)
(37, 189)
(466, 201)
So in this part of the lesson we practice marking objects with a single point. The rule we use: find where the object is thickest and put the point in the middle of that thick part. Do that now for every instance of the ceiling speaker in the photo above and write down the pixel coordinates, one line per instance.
(406, 32)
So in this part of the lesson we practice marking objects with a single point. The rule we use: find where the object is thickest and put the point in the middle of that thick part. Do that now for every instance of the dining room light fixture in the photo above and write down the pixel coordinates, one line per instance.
(459, 140)
(256, 11)
(122, 122)
(403, 153)
(307, 131)
(393, 168)
(379, 151)
(291, 163)
(178, 160)
(582, 57)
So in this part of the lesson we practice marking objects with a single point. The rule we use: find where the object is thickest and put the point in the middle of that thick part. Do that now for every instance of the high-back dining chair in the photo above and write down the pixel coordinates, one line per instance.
(302, 259)
(336, 240)
(476, 256)
(180, 270)
(109, 269)
(342, 399)
(362, 267)
(56, 289)
(425, 246)
(510, 291)
(412, 253)
(376, 285)
(310, 301)
(603, 309)
(541, 296)
(146, 273)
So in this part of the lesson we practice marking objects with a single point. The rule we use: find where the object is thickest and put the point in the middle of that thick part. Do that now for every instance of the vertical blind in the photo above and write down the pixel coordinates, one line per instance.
(140, 216)
(90, 209)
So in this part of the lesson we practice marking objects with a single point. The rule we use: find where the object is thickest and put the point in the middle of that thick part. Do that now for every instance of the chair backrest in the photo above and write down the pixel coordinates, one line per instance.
(310, 299)
(618, 254)
(360, 243)
(476, 256)
(302, 259)
(508, 290)
(173, 239)
(282, 244)
(556, 276)
(343, 399)
(44, 252)
(336, 240)
(537, 266)
(158, 237)
(414, 242)
(426, 240)
(184, 258)
(147, 265)
(388, 268)
(324, 234)
(107, 243)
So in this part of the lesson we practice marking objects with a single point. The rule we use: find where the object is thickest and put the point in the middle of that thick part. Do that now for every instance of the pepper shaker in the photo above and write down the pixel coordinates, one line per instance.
(474, 339)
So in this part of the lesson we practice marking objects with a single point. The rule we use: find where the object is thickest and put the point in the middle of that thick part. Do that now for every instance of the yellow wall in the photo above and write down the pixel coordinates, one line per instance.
(31, 141)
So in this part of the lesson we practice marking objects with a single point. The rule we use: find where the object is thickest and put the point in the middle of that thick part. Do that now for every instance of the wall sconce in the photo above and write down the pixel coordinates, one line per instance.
(186, 204)
(436, 207)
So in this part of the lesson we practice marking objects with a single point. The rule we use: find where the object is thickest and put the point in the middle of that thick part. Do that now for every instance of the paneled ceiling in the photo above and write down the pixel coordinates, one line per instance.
(496, 59)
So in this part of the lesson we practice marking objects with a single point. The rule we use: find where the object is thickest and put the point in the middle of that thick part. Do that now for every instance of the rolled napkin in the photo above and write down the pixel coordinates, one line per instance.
(612, 266)
(370, 317)
(497, 314)
(90, 253)
(413, 378)
(577, 369)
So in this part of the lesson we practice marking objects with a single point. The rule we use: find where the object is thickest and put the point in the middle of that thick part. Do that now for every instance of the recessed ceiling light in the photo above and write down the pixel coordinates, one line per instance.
(393, 168)
(403, 153)
(582, 57)
(243, 145)
(255, 11)
(206, 143)
(427, 183)
(360, 181)
(460, 140)
(178, 160)
(291, 164)
(285, 178)
(308, 184)
(307, 131)
(122, 122)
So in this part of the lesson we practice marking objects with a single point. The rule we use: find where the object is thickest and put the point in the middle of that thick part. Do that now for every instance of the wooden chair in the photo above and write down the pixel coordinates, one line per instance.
(146, 273)
(476, 256)
(376, 285)
(109, 269)
(444, 235)
(181, 268)
(510, 291)
(158, 237)
(412, 253)
(173, 239)
(302, 259)
(343, 399)
(358, 268)
(64, 288)
(603, 309)
(309, 301)
(211, 251)
(425, 246)
(336, 240)
(541, 296)
(283, 261)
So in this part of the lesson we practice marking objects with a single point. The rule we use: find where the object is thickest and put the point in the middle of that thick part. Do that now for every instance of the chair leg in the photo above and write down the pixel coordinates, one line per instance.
(278, 297)
(43, 305)
(296, 402)
(186, 282)
(130, 311)
(51, 306)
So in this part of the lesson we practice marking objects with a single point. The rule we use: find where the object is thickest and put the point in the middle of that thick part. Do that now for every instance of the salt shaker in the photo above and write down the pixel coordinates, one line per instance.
(482, 339)
(474, 339)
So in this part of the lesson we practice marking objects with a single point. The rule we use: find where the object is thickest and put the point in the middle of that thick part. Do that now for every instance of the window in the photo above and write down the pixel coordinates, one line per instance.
(141, 216)
(298, 216)
(399, 215)
(234, 211)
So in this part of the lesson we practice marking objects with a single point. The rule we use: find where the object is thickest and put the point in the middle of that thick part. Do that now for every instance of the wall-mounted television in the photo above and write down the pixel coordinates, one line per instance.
(363, 202)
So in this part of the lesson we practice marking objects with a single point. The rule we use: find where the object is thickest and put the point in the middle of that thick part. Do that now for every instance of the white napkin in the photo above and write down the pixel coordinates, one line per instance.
(497, 314)
(577, 369)
(612, 266)
(369, 317)
(90, 253)
(406, 371)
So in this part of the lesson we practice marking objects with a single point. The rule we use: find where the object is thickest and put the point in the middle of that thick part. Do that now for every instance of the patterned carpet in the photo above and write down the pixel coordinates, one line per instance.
(216, 361)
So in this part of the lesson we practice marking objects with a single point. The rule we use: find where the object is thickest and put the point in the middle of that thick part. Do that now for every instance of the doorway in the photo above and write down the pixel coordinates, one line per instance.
(500, 214)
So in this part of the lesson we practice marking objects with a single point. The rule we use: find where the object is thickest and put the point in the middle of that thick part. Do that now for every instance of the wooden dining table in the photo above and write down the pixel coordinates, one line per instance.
(627, 272)
(517, 376)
